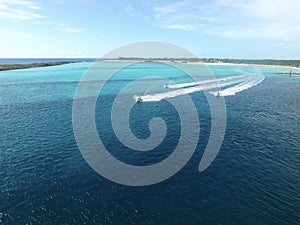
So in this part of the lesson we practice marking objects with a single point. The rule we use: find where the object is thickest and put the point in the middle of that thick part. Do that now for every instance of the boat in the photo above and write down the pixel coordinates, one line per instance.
(139, 99)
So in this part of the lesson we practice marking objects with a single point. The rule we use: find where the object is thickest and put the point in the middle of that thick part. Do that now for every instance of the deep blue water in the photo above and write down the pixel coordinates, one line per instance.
(254, 179)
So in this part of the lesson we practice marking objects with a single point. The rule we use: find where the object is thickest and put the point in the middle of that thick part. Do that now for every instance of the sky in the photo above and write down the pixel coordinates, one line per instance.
(91, 28)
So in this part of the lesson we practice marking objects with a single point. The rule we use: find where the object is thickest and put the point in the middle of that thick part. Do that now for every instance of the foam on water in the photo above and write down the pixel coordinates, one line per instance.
(190, 84)
(242, 83)
(44, 179)
(248, 83)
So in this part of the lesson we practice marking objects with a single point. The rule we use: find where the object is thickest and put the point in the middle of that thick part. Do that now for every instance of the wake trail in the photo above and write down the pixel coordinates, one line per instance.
(241, 83)
(183, 91)
(249, 83)
(190, 84)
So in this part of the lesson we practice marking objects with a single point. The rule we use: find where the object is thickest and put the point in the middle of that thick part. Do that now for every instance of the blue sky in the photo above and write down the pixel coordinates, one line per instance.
(91, 28)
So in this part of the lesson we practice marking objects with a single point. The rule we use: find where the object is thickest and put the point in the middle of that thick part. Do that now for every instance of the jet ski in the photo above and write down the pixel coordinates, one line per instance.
(139, 99)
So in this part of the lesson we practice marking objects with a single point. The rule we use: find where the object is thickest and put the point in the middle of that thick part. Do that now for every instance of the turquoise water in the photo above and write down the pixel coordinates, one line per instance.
(44, 179)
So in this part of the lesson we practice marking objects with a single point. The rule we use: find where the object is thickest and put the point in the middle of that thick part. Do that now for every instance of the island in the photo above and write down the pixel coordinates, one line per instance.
(259, 62)
(292, 64)
(31, 65)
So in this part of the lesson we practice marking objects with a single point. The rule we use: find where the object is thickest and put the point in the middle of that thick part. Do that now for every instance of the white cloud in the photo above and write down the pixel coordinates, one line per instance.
(66, 28)
(279, 31)
(267, 19)
(25, 10)
(276, 10)
(19, 10)
(181, 15)
(179, 26)
(14, 33)
(131, 11)
(170, 8)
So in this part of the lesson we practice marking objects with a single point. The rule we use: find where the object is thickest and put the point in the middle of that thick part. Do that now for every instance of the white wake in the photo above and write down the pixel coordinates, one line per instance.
(190, 84)
(236, 83)
(249, 83)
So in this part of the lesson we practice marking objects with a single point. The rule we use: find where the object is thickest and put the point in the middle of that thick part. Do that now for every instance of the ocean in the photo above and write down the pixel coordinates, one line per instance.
(254, 179)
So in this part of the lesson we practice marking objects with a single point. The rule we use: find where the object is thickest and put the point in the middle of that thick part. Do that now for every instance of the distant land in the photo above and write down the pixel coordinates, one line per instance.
(31, 65)
(272, 62)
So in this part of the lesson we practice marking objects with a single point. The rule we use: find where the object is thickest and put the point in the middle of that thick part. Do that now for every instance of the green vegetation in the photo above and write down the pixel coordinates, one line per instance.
(27, 66)
(275, 62)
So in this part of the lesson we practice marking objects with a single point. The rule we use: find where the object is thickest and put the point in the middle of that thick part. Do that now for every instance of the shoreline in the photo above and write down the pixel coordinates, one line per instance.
(251, 64)
(6, 67)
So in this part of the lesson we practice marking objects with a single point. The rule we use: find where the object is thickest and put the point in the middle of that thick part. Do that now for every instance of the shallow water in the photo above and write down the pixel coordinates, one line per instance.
(44, 179)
